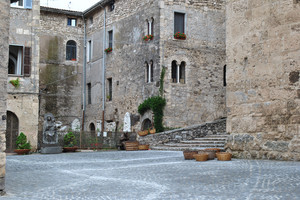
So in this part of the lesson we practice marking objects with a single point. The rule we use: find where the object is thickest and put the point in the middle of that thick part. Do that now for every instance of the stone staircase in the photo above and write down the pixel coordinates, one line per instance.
(209, 141)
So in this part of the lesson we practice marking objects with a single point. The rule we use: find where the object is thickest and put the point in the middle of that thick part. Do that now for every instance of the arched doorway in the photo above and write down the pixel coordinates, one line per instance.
(93, 130)
(12, 131)
(146, 124)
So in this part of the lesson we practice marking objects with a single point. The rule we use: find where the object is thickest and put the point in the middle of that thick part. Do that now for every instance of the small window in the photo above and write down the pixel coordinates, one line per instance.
(182, 73)
(224, 76)
(150, 24)
(72, 22)
(110, 39)
(179, 22)
(112, 6)
(151, 71)
(19, 3)
(19, 62)
(71, 50)
(109, 96)
(146, 72)
(89, 88)
(174, 71)
(89, 51)
(91, 20)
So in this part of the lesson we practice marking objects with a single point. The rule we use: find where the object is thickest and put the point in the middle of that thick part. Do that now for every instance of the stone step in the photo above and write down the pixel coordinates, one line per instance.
(166, 148)
(203, 142)
(194, 145)
(208, 139)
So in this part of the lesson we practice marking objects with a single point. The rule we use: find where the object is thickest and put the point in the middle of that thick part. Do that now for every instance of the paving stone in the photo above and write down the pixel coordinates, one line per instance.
(147, 175)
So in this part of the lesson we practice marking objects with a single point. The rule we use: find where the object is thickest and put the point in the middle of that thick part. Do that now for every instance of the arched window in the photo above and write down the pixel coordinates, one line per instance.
(174, 71)
(152, 26)
(224, 76)
(146, 72)
(71, 50)
(182, 72)
(151, 71)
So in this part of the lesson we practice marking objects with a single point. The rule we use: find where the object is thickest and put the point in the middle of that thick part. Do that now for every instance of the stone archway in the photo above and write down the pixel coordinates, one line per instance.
(12, 131)
(146, 124)
(93, 130)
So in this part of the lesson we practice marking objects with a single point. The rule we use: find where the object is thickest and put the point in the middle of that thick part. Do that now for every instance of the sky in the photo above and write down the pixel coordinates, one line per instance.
(78, 5)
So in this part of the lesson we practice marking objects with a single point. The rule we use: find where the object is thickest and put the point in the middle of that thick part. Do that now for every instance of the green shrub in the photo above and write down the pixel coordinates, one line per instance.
(156, 104)
(22, 142)
(69, 140)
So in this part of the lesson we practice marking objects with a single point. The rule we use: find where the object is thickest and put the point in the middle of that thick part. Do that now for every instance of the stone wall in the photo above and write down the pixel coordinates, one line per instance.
(60, 79)
(188, 133)
(23, 101)
(4, 29)
(263, 45)
(200, 99)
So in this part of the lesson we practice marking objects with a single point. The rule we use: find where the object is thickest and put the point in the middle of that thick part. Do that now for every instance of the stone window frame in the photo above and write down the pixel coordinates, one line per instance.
(178, 72)
(149, 71)
(71, 56)
(185, 20)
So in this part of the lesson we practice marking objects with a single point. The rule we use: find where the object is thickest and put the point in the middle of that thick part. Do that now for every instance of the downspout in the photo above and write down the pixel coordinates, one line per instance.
(103, 70)
(84, 75)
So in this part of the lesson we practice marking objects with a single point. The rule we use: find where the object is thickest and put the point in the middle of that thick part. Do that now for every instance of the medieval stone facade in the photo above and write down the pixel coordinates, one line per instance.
(4, 29)
(263, 59)
(24, 50)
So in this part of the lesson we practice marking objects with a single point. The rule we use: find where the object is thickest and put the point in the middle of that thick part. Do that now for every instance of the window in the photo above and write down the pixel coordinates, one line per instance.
(179, 22)
(19, 60)
(71, 50)
(19, 3)
(149, 70)
(112, 5)
(89, 87)
(178, 72)
(224, 76)
(174, 71)
(89, 51)
(91, 20)
(150, 28)
(72, 22)
(109, 96)
(22, 4)
(182, 72)
(110, 39)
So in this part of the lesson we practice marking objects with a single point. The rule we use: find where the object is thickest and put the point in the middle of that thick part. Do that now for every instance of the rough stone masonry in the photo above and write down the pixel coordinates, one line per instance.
(4, 30)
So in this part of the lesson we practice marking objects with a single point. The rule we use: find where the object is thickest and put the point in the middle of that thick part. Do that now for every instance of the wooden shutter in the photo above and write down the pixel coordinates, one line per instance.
(27, 61)
(28, 4)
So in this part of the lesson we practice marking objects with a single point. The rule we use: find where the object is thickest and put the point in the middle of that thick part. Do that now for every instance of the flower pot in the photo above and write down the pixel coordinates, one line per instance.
(22, 151)
(70, 149)
(132, 146)
(224, 156)
(152, 131)
(189, 155)
(144, 147)
(201, 157)
(143, 133)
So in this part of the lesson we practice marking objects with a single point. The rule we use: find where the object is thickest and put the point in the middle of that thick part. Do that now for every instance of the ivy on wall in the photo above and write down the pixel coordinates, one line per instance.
(161, 81)
(156, 104)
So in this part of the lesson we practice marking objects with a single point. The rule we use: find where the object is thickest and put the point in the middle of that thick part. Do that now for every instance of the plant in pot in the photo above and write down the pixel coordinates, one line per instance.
(23, 146)
(70, 142)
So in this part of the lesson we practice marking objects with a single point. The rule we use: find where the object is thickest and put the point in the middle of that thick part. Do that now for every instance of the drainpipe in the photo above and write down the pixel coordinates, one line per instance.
(103, 70)
(84, 75)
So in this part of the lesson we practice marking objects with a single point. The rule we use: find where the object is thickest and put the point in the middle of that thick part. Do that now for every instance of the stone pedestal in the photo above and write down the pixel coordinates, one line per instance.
(51, 150)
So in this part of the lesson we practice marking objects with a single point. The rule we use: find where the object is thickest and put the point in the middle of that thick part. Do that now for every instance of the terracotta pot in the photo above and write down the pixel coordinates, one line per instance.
(144, 147)
(152, 131)
(211, 154)
(224, 156)
(70, 149)
(201, 156)
(143, 133)
(22, 151)
(189, 155)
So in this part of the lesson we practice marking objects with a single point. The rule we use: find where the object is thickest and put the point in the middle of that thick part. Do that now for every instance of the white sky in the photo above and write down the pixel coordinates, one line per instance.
(78, 5)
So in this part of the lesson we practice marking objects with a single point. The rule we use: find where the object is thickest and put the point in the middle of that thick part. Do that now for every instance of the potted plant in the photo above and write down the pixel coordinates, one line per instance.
(15, 83)
(70, 142)
(180, 36)
(23, 146)
(148, 37)
(108, 50)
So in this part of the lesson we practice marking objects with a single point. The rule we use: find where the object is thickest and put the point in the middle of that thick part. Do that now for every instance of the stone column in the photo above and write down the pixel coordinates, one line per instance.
(4, 30)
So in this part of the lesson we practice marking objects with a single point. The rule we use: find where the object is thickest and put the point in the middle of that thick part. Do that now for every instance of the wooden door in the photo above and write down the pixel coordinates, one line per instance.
(12, 130)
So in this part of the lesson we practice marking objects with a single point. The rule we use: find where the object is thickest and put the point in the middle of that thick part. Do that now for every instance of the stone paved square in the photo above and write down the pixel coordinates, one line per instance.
(147, 175)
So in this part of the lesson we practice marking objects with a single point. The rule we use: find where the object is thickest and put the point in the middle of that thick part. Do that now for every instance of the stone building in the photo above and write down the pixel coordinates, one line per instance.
(23, 65)
(263, 87)
(4, 29)
(118, 81)
(61, 58)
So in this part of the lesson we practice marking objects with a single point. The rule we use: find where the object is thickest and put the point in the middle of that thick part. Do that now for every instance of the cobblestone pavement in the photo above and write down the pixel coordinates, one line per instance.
(147, 175)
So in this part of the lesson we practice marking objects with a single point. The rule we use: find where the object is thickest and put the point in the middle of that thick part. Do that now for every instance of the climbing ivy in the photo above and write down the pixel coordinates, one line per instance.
(156, 104)
(161, 81)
